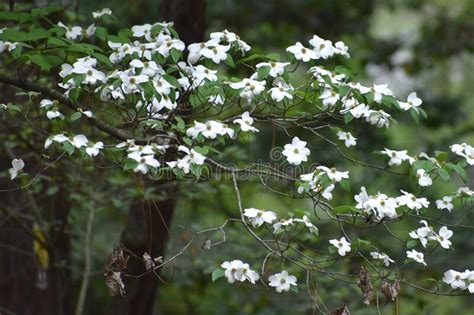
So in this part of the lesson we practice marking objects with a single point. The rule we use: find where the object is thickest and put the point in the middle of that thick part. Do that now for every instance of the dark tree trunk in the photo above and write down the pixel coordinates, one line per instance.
(19, 266)
(189, 17)
(146, 231)
(189, 21)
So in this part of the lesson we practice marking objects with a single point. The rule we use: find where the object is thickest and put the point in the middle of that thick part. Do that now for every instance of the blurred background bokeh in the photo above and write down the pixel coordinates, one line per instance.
(423, 46)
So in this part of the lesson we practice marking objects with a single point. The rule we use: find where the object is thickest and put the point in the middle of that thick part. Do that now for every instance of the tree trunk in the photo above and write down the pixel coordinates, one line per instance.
(189, 21)
(136, 237)
(19, 267)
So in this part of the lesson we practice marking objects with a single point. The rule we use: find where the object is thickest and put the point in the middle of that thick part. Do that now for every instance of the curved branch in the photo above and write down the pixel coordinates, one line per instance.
(58, 96)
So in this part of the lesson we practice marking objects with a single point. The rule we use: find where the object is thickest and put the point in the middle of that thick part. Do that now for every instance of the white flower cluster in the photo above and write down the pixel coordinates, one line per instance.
(191, 157)
(77, 32)
(143, 155)
(209, 130)
(237, 270)
(460, 280)
(383, 206)
(258, 217)
(321, 48)
(465, 150)
(398, 157)
(312, 180)
(78, 142)
(427, 233)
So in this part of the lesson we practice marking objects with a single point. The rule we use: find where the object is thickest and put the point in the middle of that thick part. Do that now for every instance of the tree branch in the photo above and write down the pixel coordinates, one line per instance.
(58, 96)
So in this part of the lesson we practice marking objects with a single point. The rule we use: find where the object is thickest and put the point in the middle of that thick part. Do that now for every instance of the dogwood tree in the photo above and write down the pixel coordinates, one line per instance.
(143, 102)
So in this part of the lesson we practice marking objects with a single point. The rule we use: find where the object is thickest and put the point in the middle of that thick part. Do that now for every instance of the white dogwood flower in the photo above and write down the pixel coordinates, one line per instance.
(383, 257)
(276, 68)
(104, 11)
(348, 138)
(397, 157)
(323, 48)
(424, 179)
(342, 245)
(416, 256)
(296, 152)
(282, 281)
(250, 87)
(17, 167)
(245, 122)
(94, 149)
(445, 203)
(443, 237)
(412, 102)
(409, 200)
(302, 53)
(258, 217)
(456, 279)
(237, 270)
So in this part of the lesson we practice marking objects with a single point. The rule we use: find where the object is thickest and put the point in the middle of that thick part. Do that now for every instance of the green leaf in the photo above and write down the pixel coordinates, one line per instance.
(54, 60)
(56, 42)
(130, 165)
(411, 244)
(441, 156)
(175, 55)
(458, 169)
(188, 141)
(13, 108)
(68, 147)
(230, 61)
(180, 123)
(263, 72)
(101, 33)
(343, 209)
(348, 118)
(20, 36)
(444, 174)
(343, 70)
(428, 166)
(201, 150)
(118, 39)
(363, 242)
(171, 80)
(345, 184)
(78, 78)
(41, 61)
(74, 94)
(75, 116)
(125, 32)
(294, 288)
(217, 274)
(273, 56)
(9, 16)
(414, 115)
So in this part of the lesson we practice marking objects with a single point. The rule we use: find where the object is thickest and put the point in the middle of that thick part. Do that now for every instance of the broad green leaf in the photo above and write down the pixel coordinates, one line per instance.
(217, 274)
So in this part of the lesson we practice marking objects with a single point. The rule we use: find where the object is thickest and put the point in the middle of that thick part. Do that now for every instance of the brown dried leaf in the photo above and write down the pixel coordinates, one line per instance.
(365, 285)
(149, 263)
(390, 290)
(207, 244)
(116, 263)
(114, 283)
(341, 310)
